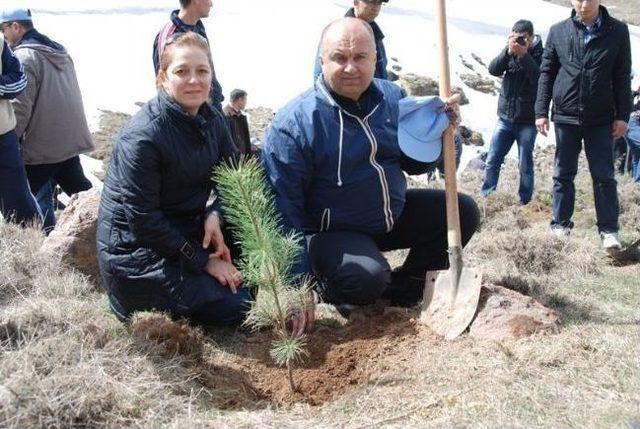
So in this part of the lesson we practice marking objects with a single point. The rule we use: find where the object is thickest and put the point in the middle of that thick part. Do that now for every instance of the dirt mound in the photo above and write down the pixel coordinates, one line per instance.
(240, 373)
(506, 314)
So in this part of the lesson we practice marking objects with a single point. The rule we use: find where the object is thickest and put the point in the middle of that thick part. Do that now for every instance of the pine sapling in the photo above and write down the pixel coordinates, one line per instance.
(268, 255)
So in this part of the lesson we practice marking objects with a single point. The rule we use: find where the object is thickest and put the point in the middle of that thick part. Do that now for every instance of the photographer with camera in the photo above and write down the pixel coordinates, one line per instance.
(519, 66)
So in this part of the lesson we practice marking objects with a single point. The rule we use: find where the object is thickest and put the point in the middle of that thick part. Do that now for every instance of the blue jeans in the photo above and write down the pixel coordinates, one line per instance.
(633, 140)
(503, 137)
(598, 146)
(16, 201)
(47, 206)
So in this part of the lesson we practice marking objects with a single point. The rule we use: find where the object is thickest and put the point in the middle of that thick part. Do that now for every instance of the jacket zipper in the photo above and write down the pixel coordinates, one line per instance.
(325, 222)
(388, 216)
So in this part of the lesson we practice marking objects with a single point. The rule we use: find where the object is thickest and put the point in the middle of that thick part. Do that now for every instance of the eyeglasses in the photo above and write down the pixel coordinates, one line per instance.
(374, 2)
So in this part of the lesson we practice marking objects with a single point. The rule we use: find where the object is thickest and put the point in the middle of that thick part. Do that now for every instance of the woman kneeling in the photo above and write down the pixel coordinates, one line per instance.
(159, 246)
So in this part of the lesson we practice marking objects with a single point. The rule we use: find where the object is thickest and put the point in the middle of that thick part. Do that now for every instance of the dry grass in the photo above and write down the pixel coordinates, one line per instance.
(65, 362)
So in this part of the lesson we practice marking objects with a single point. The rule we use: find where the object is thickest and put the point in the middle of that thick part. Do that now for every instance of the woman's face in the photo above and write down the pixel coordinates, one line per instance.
(188, 78)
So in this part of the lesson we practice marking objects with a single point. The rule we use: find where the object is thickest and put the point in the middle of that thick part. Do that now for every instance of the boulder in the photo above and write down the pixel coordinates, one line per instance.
(420, 86)
(259, 119)
(479, 83)
(73, 240)
(506, 314)
(470, 137)
(392, 76)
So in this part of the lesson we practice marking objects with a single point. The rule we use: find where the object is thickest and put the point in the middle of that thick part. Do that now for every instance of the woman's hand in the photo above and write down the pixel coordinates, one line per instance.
(213, 234)
(225, 272)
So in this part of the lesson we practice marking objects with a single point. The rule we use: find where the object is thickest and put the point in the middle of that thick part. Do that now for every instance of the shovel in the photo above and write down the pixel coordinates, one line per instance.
(450, 297)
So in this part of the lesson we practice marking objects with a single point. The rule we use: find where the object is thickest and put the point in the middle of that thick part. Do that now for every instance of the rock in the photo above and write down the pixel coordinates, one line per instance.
(463, 97)
(420, 86)
(478, 59)
(414, 84)
(479, 83)
(506, 314)
(466, 63)
(470, 137)
(392, 76)
(259, 120)
(110, 125)
(73, 240)
(396, 67)
(394, 59)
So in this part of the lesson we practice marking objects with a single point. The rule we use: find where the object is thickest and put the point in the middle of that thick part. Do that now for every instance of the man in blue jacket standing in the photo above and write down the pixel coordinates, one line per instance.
(333, 159)
(519, 66)
(368, 11)
(188, 18)
(586, 72)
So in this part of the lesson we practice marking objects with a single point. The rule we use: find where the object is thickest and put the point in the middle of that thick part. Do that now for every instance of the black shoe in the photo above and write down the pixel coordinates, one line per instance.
(405, 290)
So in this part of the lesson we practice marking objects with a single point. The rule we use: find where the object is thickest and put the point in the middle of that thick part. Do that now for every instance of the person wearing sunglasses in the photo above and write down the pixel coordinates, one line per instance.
(368, 11)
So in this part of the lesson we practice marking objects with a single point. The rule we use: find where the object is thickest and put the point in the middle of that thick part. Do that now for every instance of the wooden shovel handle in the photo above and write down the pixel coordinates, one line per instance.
(451, 186)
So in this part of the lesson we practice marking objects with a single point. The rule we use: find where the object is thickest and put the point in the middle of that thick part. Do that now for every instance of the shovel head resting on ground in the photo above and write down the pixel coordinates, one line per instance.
(448, 311)
(628, 254)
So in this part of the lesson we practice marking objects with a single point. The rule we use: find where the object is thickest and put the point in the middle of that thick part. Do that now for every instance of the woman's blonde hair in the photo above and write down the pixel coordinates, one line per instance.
(181, 40)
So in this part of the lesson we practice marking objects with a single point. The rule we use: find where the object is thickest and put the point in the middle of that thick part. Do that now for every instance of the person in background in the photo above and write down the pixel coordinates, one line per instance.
(50, 119)
(238, 123)
(633, 137)
(586, 72)
(188, 18)
(519, 66)
(368, 11)
(16, 201)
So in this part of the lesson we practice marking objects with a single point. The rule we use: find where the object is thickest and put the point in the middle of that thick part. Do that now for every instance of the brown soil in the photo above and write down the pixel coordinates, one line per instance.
(243, 375)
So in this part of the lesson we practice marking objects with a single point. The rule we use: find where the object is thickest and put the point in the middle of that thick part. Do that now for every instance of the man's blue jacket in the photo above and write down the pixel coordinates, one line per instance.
(338, 169)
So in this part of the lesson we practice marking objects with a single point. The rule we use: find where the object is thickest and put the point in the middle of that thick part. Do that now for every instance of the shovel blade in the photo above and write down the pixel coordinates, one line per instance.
(448, 311)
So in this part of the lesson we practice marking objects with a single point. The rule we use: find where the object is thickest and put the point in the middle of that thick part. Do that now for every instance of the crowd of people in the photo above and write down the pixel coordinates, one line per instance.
(336, 157)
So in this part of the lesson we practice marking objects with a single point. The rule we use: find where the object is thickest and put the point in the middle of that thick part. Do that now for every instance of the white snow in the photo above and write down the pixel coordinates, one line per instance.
(267, 47)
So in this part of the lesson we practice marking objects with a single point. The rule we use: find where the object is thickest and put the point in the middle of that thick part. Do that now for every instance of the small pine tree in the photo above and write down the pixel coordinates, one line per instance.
(268, 255)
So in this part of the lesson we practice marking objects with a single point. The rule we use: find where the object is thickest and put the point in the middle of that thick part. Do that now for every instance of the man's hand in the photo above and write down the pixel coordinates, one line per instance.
(511, 44)
(304, 321)
(619, 129)
(224, 272)
(213, 234)
(542, 125)
(452, 109)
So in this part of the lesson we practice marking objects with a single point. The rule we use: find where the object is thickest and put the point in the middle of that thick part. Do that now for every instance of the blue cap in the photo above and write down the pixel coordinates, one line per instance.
(421, 123)
(14, 14)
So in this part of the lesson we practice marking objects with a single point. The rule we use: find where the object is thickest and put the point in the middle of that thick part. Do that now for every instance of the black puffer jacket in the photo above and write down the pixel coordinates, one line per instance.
(154, 197)
(589, 85)
(520, 83)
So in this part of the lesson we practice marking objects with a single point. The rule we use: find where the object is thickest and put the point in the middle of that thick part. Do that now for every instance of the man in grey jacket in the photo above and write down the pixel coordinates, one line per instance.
(50, 119)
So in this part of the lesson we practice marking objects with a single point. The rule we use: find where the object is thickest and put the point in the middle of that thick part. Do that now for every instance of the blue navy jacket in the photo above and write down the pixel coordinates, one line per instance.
(176, 26)
(381, 54)
(13, 79)
(334, 168)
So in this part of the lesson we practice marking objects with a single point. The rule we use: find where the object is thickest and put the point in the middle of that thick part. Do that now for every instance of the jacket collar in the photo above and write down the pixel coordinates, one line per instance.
(33, 37)
(200, 121)
(377, 32)
(603, 22)
(198, 28)
(361, 108)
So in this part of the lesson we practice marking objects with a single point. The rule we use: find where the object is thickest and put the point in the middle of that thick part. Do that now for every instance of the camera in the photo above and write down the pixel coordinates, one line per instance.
(521, 40)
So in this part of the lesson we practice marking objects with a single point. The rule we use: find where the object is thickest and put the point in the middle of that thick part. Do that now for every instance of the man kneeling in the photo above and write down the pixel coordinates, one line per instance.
(333, 159)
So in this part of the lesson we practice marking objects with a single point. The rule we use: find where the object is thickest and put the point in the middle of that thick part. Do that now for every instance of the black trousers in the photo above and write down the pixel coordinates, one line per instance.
(353, 270)
(68, 174)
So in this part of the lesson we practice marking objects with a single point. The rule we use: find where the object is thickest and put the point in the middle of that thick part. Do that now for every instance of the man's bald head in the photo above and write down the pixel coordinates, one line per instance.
(348, 56)
(347, 28)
